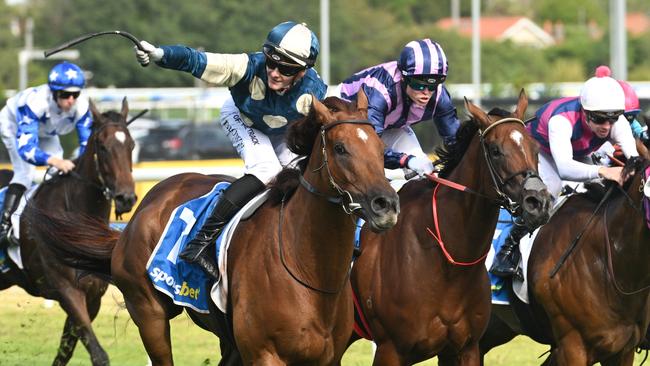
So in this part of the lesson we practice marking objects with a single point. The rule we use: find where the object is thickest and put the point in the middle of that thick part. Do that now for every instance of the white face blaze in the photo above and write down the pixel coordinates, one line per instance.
(517, 137)
(120, 136)
(362, 135)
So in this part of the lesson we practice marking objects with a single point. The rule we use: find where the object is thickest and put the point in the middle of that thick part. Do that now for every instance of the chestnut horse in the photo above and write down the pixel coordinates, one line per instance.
(590, 303)
(102, 175)
(422, 286)
(288, 265)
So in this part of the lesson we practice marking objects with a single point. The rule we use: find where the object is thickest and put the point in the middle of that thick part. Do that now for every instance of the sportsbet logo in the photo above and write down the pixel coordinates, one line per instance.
(183, 289)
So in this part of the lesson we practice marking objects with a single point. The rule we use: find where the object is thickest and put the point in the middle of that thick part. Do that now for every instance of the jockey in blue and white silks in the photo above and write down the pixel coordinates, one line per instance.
(31, 122)
(405, 92)
(269, 89)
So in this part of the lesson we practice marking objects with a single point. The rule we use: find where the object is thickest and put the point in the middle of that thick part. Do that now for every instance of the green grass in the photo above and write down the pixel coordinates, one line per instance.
(30, 333)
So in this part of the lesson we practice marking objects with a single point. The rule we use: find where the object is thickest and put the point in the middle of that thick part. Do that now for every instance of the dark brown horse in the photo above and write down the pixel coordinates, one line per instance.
(422, 286)
(102, 175)
(288, 265)
(593, 306)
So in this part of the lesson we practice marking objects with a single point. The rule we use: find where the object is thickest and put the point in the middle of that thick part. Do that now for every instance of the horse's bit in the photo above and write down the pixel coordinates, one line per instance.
(344, 197)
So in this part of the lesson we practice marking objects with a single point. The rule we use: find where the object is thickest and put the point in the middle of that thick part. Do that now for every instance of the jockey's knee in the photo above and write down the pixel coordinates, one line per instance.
(266, 171)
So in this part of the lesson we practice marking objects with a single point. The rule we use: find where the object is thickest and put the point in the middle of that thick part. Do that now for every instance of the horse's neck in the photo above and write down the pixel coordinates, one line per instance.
(467, 218)
(627, 240)
(85, 195)
(317, 238)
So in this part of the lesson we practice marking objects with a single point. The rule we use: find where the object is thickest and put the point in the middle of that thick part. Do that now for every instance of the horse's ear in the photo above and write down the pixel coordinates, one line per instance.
(522, 104)
(323, 114)
(125, 109)
(94, 111)
(477, 113)
(362, 101)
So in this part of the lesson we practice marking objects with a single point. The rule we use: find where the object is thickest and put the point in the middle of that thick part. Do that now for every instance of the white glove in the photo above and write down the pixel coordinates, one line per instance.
(150, 53)
(420, 165)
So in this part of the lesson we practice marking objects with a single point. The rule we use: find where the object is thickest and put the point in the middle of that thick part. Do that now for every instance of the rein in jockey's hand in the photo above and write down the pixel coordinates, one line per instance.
(63, 165)
(611, 173)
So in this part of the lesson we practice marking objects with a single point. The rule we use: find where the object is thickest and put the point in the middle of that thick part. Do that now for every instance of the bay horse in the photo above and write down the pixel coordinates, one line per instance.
(422, 286)
(288, 265)
(593, 304)
(102, 174)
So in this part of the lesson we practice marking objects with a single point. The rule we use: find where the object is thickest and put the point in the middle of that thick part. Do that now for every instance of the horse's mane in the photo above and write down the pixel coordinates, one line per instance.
(450, 156)
(301, 137)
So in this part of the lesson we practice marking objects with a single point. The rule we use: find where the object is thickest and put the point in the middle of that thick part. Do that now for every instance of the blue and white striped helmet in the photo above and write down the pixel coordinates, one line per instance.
(294, 41)
(66, 76)
(423, 57)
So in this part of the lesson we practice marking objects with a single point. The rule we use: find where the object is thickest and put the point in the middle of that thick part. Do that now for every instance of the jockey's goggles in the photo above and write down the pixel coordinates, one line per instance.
(631, 116)
(429, 82)
(274, 60)
(601, 117)
(62, 94)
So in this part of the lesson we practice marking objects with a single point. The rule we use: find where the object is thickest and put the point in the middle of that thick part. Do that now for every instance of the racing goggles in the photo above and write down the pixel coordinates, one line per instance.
(429, 82)
(275, 60)
(601, 117)
(62, 94)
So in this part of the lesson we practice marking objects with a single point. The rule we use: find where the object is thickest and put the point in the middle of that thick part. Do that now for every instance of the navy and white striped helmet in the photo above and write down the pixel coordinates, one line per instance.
(294, 41)
(66, 76)
(421, 58)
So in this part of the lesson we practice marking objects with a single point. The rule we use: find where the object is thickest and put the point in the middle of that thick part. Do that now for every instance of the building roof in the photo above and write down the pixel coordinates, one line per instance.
(637, 23)
(517, 29)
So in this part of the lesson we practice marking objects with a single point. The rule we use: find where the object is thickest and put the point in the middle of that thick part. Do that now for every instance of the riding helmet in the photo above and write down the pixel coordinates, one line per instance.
(602, 94)
(294, 41)
(66, 76)
(422, 58)
(631, 99)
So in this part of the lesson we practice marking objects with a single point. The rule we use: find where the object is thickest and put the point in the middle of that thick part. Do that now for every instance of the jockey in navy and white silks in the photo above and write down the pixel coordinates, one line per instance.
(405, 92)
(33, 119)
(569, 129)
(269, 89)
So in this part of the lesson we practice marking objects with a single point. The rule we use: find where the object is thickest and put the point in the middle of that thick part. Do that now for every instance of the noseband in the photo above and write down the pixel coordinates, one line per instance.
(497, 180)
(344, 197)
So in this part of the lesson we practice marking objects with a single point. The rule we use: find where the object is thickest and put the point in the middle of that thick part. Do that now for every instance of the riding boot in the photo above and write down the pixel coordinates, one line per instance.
(12, 199)
(232, 200)
(506, 262)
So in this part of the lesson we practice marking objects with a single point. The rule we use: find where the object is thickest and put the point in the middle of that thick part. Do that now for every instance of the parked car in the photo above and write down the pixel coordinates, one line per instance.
(184, 140)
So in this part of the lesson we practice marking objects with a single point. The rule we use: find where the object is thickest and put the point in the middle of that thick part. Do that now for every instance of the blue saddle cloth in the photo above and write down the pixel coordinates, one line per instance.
(501, 232)
(185, 283)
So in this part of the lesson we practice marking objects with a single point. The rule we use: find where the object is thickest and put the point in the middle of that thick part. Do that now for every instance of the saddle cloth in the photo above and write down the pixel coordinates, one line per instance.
(13, 251)
(186, 283)
(504, 225)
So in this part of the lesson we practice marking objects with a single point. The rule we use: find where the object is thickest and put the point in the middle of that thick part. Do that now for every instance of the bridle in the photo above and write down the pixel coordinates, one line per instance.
(344, 198)
(107, 192)
(497, 180)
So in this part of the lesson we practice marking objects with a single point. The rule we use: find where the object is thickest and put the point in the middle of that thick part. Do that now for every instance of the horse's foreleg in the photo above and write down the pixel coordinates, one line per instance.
(74, 304)
(620, 359)
(386, 354)
(68, 342)
(467, 356)
(570, 350)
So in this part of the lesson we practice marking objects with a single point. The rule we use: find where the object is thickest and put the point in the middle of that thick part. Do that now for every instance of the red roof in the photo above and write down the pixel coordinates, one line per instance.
(491, 27)
(637, 23)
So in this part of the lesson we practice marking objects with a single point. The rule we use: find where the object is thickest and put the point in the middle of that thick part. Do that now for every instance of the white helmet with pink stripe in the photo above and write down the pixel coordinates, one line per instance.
(423, 59)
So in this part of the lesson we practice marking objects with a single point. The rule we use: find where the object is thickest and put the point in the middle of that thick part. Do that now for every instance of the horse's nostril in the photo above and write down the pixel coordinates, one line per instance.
(379, 204)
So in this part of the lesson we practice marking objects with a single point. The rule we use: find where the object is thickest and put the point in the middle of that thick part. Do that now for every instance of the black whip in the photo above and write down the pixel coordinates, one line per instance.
(93, 35)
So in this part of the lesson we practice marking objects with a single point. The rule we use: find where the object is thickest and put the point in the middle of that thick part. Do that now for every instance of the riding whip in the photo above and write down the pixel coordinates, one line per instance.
(93, 35)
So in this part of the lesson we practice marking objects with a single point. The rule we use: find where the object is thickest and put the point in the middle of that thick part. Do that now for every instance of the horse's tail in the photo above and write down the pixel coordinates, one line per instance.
(77, 240)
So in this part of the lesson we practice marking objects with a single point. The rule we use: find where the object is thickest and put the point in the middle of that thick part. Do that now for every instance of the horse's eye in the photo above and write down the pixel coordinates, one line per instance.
(339, 148)
(495, 152)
